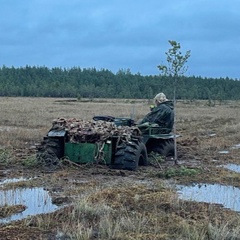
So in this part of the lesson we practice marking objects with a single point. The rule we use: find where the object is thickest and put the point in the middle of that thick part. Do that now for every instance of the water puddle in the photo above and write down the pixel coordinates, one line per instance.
(227, 196)
(237, 146)
(36, 200)
(232, 167)
(224, 152)
(212, 134)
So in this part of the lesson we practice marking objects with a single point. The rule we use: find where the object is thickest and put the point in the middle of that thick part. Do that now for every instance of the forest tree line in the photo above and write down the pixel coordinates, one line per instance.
(92, 83)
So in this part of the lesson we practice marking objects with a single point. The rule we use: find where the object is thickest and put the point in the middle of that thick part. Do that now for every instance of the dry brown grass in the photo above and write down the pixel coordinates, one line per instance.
(138, 211)
(6, 211)
(28, 119)
(24, 121)
(206, 130)
(120, 206)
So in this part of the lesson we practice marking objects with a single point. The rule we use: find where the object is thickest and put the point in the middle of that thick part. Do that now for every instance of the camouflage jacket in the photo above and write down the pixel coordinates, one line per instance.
(163, 115)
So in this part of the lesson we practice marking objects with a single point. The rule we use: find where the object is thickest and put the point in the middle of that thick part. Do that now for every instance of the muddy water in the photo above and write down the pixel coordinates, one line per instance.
(36, 200)
(227, 196)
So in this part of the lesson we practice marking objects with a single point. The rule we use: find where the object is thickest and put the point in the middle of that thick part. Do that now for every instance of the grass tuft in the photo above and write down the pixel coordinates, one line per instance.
(178, 172)
(30, 161)
(6, 157)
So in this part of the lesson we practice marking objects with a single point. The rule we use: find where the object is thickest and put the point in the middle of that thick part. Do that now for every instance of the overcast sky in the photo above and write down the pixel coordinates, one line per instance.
(121, 34)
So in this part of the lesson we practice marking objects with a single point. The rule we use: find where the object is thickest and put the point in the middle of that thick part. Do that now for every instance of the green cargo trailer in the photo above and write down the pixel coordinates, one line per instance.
(88, 152)
(119, 143)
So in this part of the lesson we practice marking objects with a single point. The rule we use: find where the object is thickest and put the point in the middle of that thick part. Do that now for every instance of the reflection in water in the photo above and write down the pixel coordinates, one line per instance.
(37, 201)
(228, 196)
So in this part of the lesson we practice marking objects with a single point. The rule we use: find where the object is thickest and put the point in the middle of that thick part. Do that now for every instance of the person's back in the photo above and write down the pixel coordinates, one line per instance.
(162, 114)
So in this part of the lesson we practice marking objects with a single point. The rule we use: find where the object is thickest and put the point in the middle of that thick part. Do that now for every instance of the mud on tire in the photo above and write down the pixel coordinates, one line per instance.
(129, 155)
(49, 153)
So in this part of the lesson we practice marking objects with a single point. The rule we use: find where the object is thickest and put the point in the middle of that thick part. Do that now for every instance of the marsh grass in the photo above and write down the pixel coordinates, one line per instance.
(112, 211)
(43, 222)
(137, 213)
(6, 157)
(178, 172)
(21, 184)
(26, 120)
(30, 161)
(6, 211)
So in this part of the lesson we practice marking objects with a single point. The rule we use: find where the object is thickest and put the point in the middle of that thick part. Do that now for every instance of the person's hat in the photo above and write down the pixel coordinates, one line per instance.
(160, 97)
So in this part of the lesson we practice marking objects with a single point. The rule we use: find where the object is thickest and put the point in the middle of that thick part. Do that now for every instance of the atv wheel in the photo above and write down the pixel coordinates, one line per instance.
(129, 155)
(164, 148)
(50, 152)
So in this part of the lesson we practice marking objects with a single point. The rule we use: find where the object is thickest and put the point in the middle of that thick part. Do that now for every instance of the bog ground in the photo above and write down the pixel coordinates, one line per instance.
(95, 202)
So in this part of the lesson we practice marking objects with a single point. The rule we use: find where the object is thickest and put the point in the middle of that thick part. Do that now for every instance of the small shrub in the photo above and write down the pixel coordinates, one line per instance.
(30, 161)
(178, 172)
(79, 97)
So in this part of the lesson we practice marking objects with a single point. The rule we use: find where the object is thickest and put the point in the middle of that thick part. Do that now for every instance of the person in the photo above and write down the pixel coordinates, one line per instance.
(162, 114)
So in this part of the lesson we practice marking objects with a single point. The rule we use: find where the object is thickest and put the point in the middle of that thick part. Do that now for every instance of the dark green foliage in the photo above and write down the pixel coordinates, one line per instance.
(91, 83)
(178, 172)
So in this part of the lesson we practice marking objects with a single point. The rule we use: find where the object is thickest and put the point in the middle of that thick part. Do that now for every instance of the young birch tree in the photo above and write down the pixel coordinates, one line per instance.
(175, 68)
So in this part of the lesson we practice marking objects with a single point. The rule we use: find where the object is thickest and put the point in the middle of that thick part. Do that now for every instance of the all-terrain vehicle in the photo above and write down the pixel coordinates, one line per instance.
(117, 142)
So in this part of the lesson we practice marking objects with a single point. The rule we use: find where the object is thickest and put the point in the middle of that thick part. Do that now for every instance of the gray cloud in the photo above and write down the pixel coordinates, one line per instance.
(121, 34)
